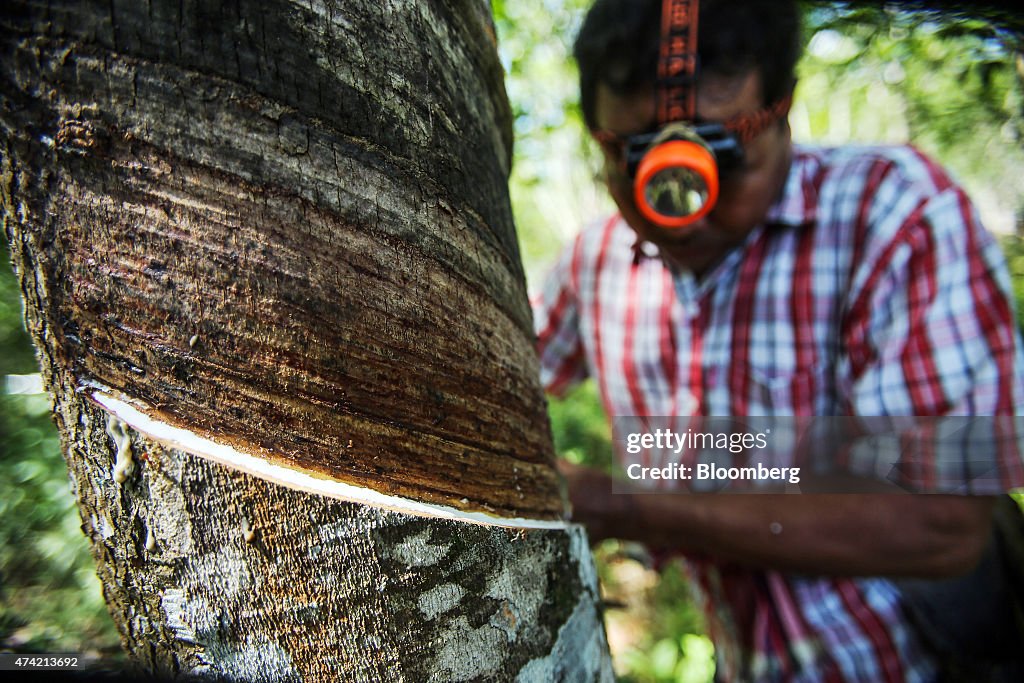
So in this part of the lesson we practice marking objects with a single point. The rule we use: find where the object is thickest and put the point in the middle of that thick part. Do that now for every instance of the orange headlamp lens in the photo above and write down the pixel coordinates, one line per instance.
(676, 183)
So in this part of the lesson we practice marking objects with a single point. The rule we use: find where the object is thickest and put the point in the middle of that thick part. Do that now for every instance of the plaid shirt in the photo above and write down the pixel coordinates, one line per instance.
(871, 289)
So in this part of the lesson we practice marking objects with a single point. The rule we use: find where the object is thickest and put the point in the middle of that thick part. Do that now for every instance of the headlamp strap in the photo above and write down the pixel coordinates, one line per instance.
(677, 62)
(746, 127)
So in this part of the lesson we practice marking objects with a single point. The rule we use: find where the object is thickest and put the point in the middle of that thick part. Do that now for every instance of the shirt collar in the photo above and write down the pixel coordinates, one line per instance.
(643, 249)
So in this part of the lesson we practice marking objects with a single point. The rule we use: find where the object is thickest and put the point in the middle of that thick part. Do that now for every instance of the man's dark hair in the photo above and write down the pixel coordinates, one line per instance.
(618, 45)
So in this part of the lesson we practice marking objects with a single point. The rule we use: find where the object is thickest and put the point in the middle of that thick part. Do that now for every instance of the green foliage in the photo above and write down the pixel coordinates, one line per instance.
(951, 87)
(581, 430)
(552, 192)
(656, 633)
(1013, 247)
(50, 599)
(674, 650)
(16, 356)
(690, 658)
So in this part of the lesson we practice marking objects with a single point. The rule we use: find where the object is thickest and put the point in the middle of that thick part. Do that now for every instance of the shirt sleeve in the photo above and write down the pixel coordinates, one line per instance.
(930, 332)
(556, 316)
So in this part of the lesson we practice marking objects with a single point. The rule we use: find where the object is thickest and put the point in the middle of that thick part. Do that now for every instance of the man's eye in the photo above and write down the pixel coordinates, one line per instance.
(736, 169)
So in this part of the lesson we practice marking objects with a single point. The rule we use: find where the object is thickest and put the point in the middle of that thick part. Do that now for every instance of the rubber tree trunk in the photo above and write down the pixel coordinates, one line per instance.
(269, 264)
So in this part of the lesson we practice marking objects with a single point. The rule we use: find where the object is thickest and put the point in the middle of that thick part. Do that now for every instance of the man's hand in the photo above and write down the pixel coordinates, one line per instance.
(863, 534)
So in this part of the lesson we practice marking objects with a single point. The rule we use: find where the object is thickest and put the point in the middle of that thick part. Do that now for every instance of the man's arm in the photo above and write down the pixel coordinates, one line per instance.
(863, 534)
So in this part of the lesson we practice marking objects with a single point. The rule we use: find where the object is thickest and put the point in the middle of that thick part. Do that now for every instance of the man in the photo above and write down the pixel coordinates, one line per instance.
(823, 282)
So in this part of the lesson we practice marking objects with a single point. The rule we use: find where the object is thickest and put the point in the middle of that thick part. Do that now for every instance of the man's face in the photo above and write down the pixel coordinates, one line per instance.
(745, 194)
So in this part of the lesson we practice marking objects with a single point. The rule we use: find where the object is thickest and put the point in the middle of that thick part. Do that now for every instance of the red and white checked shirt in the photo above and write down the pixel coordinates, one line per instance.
(871, 289)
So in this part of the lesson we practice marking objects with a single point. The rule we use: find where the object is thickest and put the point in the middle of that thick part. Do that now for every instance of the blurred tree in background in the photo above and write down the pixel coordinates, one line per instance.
(872, 73)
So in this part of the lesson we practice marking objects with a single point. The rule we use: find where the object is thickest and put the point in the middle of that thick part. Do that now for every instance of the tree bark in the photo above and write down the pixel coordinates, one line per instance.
(268, 262)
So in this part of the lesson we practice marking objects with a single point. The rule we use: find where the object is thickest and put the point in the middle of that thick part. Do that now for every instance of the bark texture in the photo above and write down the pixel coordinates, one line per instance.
(215, 573)
(284, 227)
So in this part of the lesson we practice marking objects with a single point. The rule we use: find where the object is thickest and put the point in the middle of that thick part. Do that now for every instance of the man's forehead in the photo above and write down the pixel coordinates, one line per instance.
(721, 91)
(631, 112)
(719, 98)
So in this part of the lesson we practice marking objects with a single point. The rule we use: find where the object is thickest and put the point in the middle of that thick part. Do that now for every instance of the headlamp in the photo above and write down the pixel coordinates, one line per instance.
(676, 170)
